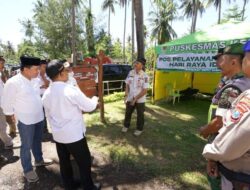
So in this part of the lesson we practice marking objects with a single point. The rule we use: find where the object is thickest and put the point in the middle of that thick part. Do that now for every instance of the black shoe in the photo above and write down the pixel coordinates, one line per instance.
(74, 185)
(3, 160)
(97, 186)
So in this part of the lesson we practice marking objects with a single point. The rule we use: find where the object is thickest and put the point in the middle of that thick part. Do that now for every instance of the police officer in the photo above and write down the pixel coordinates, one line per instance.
(231, 146)
(234, 84)
(231, 86)
(137, 83)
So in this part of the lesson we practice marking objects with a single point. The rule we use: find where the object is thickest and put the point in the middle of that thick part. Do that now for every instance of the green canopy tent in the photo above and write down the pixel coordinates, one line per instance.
(178, 59)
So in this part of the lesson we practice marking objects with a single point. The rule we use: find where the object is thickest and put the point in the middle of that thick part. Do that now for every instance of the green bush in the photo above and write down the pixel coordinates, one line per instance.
(116, 96)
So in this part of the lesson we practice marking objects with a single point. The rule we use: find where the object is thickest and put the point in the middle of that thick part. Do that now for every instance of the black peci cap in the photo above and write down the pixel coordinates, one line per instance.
(141, 60)
(29, 61)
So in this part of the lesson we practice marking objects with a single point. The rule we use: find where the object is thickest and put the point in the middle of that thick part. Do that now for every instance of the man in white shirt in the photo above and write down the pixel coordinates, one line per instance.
(21, 99)
(7, 140)
(63, 104)
(137, 84)
(43, 85)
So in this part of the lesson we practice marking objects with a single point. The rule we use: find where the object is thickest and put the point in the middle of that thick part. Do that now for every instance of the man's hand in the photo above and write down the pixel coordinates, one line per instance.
(132, 103)
(10, 119)
(125, 99)
(212, 169)
(203, 131)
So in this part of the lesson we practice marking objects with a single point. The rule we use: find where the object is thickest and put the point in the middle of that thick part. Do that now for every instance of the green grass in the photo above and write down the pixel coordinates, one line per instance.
(169, 148)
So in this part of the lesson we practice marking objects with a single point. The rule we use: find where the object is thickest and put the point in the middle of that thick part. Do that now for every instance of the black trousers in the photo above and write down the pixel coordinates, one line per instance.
(140, 108)
(81, 153)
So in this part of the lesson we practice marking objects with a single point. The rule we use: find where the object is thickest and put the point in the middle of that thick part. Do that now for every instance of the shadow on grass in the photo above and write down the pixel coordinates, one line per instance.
(169, 148)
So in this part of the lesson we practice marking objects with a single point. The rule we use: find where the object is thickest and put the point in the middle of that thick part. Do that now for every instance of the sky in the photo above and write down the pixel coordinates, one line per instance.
(12, 11)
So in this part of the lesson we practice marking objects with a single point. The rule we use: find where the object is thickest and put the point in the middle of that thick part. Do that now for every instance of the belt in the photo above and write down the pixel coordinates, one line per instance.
(234, 176)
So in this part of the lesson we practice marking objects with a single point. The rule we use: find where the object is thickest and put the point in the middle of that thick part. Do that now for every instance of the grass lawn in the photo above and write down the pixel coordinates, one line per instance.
(169, 150)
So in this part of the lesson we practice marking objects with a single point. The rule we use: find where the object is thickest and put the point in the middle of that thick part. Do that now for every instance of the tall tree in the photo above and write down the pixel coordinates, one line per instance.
(161, 20)
(90, 32)
(124, 4)
(28, 27)
(191, 9)
(218, 5)
(109, 4)
(132, 30)
(57, 40)
(138, 9)
(116, 50)
(232, 14)
(73, 46)
(244, 9)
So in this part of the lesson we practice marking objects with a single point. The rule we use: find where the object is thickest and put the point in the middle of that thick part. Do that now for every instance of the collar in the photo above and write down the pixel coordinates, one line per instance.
(237, 76)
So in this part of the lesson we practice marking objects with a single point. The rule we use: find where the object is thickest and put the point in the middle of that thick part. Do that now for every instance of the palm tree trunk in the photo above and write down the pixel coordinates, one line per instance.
(109, 32)
(124, 33)
(138, 7)
(73, 33)
(133, 30)
(194, 18)
(219, 14)
(90, 6)
(109, 23)
(243, 10)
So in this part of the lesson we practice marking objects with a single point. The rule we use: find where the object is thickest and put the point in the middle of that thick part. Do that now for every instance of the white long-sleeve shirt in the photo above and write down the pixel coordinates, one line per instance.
(22, 99)
(63, 104)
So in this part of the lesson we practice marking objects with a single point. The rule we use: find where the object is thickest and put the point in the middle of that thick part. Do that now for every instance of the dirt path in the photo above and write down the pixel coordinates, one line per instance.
(112, 178)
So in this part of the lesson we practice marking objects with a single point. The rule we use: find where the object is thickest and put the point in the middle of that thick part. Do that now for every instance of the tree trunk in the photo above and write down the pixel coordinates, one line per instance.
(194, 18)
(124, 33)
(90, 33)
(73, 33)
(219, 14)
(243, 10)
(133, 30)
(138, 8)
(109, 23)
(109, 32)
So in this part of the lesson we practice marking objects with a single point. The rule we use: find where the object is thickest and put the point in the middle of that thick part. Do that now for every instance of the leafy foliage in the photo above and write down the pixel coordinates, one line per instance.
(116, 50)
(232, 14)
(161, 21)
(191, 9)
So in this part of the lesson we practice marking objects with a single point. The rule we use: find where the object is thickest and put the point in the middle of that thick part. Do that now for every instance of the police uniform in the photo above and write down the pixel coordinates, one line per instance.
(136, 82)
(231, 147)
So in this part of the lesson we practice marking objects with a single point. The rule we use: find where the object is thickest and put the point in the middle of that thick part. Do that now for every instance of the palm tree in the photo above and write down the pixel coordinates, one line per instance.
(73, 32)
(124, 4)
(191, 8)
(161, 22)
(244, 8)
(132, 30)
(75, 3)
(90, 32)
(217, 4)
(138, 9)
(109, 4)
